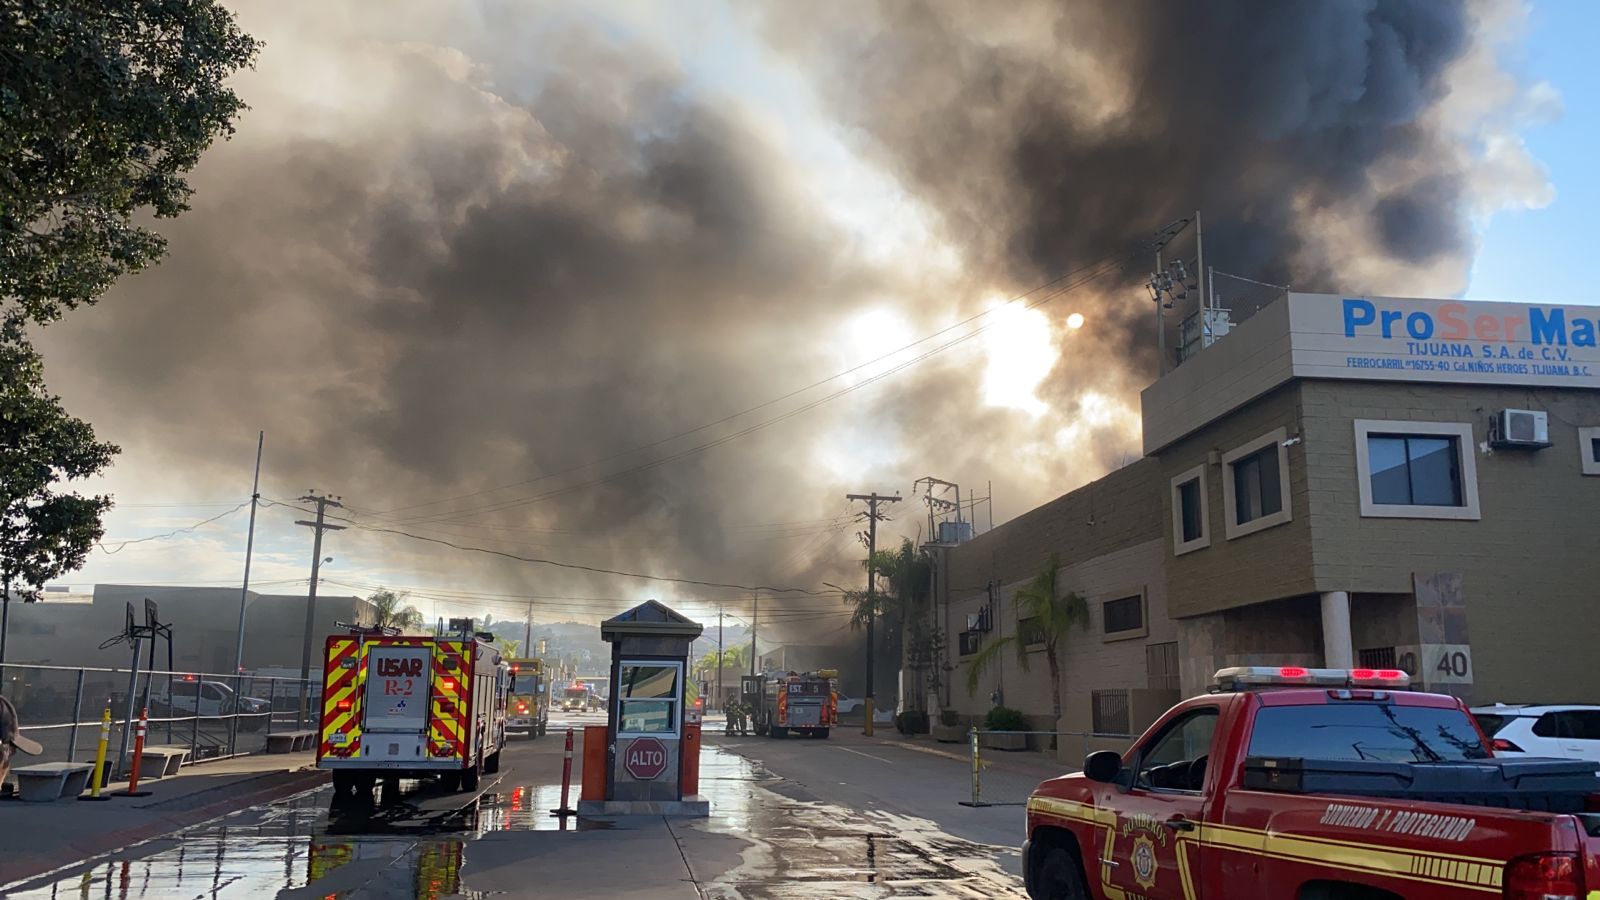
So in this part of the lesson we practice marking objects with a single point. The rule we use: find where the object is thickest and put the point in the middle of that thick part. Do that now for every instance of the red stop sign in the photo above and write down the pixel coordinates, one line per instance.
(645, 759)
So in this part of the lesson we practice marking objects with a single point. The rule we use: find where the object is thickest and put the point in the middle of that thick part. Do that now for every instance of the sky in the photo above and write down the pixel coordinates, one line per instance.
(1537, 254)
(465, 245)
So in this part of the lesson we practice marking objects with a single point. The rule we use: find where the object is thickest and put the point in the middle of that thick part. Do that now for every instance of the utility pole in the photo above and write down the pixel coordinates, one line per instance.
(249, 547)
(319, 526)
(872, 500)
(755, 609)
(527, 634)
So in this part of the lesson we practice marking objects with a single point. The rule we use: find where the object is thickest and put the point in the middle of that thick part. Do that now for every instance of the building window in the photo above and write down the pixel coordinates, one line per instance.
(1124, 617)
(1416, 470)
(1030, 632)
(1255, 486)
(970, 641)
(1376, 658)
(1161, 665)
(1189, 512)
(1589, 449)
(1110, 712)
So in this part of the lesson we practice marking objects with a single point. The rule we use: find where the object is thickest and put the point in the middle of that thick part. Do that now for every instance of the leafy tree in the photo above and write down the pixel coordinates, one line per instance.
(509, 646)
(387, 611)
(104, 108)
(1053, 618)
(44, 532)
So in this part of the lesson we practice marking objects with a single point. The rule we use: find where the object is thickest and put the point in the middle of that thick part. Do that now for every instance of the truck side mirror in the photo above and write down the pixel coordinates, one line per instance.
(1103, 766)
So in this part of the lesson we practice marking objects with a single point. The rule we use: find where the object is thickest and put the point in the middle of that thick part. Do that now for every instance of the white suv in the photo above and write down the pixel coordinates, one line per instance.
(1570, 732)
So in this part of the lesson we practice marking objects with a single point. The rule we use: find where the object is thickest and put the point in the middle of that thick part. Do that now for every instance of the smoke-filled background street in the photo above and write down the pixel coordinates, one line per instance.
(645, 287)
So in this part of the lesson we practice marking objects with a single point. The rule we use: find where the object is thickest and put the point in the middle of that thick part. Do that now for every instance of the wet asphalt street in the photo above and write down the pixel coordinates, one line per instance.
(790, 819)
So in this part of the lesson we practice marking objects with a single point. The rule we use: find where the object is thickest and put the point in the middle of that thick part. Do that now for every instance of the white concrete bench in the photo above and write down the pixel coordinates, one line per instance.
(162, 760)
(48, 782)
(290, 741)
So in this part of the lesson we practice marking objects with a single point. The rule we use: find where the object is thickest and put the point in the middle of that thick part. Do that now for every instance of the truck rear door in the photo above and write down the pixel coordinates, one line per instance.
(396, 702)
(1152, 851)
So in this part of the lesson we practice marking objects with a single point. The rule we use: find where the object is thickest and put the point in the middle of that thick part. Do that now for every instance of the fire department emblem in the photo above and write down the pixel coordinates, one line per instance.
(1144, 861)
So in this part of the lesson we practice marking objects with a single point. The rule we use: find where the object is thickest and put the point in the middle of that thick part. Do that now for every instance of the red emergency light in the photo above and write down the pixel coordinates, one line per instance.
(1294, 671)
(343, 705)
(514, 668)
(448, 684)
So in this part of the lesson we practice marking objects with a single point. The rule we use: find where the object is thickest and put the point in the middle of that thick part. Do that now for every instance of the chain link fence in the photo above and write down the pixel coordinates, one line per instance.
(213, 716)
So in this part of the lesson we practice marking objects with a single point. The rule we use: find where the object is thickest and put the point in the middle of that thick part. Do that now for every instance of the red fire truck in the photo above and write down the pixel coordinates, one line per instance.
(1315, 784)
(398, 706)
(802, 702)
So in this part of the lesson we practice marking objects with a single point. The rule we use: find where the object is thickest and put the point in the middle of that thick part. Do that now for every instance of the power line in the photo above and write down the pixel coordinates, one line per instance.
(173, 533)
(582, 568)
(1094, 270)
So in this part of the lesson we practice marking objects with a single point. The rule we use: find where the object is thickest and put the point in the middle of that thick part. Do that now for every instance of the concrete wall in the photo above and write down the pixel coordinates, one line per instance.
(1251, 360)
(1530, 567)
(1280, 633)
(1090, 660)
(205, 627)
(1267, 565)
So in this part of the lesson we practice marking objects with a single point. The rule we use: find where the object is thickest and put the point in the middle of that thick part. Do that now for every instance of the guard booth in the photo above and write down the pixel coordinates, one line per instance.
(652, 740)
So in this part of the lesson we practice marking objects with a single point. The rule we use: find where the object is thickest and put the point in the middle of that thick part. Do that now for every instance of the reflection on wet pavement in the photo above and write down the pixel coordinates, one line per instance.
(416, 843)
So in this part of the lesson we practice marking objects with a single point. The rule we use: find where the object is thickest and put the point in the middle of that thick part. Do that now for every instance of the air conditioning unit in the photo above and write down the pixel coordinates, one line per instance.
(1525, 428)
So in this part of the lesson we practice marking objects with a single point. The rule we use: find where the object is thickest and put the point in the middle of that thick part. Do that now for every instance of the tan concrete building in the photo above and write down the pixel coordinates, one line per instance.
(1336, 481)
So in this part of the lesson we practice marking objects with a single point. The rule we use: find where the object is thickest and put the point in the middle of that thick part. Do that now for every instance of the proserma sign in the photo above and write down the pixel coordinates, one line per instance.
(1394, 339)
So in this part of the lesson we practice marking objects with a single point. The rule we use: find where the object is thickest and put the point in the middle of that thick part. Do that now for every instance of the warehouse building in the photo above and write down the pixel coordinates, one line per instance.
(1333, 481)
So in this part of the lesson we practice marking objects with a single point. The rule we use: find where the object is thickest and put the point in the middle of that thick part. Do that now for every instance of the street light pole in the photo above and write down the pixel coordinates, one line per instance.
(249, 548)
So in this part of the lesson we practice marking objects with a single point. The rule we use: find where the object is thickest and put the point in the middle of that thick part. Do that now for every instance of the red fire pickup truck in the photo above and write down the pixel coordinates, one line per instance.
(1315, 784)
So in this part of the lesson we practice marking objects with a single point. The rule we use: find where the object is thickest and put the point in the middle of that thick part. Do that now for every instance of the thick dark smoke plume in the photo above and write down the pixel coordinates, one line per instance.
(460, 245)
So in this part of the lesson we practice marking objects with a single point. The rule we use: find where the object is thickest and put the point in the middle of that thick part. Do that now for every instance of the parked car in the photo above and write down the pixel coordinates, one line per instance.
(849, 705)
(1571, 732)
(213, 698)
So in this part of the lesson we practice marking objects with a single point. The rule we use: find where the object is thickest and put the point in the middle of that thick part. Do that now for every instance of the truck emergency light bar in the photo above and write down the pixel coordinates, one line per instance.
(1239, 678)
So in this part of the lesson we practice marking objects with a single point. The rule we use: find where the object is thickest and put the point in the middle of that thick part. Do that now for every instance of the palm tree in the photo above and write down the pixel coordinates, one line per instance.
(1053, 618)
(509, 646)
(906, 590)
(387, 611)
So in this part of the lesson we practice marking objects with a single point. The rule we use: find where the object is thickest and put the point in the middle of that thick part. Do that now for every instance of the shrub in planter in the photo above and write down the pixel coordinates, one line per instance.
(912, 722)
(1004, 718)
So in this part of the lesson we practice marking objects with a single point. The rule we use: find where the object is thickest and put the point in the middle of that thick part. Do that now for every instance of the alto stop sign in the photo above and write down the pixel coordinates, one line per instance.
(645, 759)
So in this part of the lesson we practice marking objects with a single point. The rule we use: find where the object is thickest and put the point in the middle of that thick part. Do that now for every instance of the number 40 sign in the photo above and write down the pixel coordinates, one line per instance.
(1448, 663)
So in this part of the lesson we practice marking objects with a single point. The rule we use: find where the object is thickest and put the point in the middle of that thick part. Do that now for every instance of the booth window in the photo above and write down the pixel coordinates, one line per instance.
(1416, 470)
(1589, 449)
(647, 698)
(1189, 514)
(1255, 485)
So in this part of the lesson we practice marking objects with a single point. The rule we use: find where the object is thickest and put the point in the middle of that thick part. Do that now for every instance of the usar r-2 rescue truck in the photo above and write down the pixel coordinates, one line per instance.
(402, 706)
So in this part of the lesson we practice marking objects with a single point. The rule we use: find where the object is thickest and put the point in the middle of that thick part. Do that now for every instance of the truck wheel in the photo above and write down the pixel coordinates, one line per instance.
(779, 732)
(450, 781)
(1060, 877)
(491, 764)
(469, 778)
(541, 730)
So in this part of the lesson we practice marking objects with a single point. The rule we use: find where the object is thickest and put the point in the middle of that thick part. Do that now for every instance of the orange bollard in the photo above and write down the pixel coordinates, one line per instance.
(138, 753)
(595, 738)
(689, 765)
(566, 781)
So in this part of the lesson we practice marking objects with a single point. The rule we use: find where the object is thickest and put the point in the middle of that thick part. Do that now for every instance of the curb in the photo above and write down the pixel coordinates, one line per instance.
(292, 782)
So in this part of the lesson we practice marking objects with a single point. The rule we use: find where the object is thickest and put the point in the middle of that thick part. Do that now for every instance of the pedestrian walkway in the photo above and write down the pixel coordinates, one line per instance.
(39, 837)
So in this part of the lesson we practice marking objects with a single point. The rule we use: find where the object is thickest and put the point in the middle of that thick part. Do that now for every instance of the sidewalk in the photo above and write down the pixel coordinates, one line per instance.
(39, 837)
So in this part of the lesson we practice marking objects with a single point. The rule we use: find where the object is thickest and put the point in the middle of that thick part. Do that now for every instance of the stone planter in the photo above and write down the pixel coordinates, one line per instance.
(1005, 740)
(949, 734)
